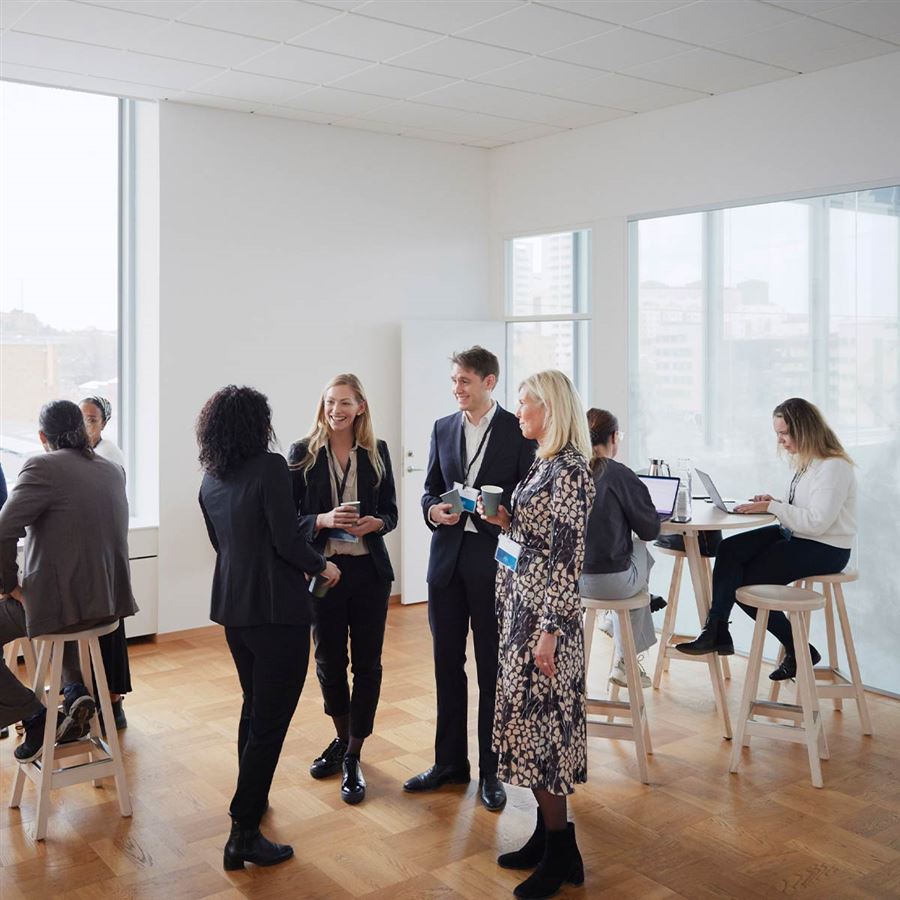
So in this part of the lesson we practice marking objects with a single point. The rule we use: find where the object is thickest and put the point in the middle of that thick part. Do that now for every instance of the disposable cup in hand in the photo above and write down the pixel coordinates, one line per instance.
(318, 586)
(453, 498)
(490, 498)
(351, 506)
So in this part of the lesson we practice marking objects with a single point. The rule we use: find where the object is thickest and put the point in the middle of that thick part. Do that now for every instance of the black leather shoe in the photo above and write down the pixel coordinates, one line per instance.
(715, 638)
(353, 784)
(247, 845)
(788, 667)
(491, 793)
(437, 776)
(657, 603)
(119, 715)
(330, 760)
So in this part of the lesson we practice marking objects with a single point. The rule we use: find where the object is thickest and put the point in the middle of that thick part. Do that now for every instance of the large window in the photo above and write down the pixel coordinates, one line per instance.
(59, 258)
(547, 307)
(733, 311)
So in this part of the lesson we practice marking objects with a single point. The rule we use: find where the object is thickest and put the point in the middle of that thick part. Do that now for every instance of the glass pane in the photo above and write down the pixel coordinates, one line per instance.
(546, 274)
(534, 346)
(59, 252)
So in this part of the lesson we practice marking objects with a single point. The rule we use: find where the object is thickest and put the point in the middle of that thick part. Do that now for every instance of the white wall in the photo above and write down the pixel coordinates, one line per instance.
(288, 253)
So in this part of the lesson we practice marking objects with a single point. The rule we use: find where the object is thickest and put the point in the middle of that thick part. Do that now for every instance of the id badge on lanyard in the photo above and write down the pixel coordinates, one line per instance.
(507, 553)
(468, 496)
(339, 534)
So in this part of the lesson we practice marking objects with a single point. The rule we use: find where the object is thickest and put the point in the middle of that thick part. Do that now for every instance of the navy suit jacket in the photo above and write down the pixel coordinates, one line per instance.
(506, 459)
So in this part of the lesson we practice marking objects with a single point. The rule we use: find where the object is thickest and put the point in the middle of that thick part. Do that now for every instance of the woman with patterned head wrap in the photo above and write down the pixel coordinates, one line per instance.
(97, 412)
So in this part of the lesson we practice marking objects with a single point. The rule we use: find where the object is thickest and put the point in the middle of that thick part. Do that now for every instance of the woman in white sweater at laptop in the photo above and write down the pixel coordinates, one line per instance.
(817, 525)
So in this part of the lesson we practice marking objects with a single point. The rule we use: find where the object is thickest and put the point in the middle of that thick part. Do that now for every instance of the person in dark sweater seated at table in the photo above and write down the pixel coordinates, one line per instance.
(616, 568)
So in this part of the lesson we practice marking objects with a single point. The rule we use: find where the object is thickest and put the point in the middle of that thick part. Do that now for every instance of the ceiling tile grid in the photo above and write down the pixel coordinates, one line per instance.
(482, 73)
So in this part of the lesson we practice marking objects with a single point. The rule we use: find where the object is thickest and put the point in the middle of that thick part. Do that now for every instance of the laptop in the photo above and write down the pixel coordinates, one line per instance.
(663, 492)
(714, 495)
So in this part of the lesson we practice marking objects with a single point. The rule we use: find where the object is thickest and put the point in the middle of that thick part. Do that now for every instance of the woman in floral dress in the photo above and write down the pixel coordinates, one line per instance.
(539, 720)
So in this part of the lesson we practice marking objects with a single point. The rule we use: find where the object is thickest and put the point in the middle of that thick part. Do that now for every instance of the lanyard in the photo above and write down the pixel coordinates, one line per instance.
(794, 482)
(468, 467)
(339, 483)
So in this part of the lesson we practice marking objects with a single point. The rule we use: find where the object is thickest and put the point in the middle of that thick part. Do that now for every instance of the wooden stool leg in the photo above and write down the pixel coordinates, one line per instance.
(668, 628)
(850, 649)
(807, 696)
(635, 693)
(112, 737)
(45, 781)
(590, 622)
(751, 685)
(37, 685)
(30, 661)
(833, 661)
(84, 661)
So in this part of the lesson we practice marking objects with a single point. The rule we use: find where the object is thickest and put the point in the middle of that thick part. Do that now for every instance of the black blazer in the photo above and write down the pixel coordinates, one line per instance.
(312, 495)
(506, 461)
(261, 554)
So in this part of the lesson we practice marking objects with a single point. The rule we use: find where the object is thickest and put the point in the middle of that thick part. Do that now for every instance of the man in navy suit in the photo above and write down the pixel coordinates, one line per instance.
(480, 444)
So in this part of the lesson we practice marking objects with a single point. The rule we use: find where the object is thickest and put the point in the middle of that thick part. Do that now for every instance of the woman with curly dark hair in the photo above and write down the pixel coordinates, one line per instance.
(258, 594)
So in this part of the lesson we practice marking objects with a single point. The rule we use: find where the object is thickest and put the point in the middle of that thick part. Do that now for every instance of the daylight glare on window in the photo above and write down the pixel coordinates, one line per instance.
(58, 257)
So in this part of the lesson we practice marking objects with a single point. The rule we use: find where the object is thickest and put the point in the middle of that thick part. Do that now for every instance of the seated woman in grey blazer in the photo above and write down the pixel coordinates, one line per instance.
(76, 564)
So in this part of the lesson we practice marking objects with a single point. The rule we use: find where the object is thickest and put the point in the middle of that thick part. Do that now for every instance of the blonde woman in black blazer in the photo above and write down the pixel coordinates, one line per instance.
(341, 462)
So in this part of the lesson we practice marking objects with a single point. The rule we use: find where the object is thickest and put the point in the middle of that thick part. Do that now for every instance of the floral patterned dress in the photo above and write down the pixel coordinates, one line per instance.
(539, 722)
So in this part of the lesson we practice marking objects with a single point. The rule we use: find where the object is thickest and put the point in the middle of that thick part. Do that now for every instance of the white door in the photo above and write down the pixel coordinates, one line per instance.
(425, 394)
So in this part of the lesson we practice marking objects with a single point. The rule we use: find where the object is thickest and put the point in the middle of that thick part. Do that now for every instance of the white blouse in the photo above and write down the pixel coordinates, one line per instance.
(824, 504)
(108, 450)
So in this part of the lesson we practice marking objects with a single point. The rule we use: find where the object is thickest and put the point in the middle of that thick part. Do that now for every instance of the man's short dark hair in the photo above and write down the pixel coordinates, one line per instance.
(477, 360)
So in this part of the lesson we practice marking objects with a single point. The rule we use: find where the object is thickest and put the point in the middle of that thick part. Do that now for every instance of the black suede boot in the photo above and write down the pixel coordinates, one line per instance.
(561, 862)
(531, 853)
(248, 845)
(715, 638)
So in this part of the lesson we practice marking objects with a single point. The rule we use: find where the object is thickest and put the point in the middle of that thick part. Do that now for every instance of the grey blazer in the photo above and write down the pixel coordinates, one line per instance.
(73, 513)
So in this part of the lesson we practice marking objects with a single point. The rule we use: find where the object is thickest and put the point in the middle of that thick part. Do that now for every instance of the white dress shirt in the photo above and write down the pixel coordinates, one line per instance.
(473, 437)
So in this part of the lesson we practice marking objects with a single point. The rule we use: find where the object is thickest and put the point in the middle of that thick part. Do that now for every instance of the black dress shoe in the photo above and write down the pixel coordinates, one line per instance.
(247, 845)
(491, 793)
(353, 784)
(715, 638)
(437, 776)
(68, 729)
(788, 667)
(331, 759)
(657, 603)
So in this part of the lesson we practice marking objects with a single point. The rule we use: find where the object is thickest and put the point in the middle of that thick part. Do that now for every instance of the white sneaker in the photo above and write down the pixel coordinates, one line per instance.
(619, 677)
(606, 625)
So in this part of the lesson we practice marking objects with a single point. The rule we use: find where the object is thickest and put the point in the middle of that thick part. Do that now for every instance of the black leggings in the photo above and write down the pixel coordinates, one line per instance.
(765, 556)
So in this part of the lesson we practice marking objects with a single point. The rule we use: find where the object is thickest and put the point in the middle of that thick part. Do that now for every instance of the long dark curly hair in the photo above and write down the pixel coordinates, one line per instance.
(234, 425)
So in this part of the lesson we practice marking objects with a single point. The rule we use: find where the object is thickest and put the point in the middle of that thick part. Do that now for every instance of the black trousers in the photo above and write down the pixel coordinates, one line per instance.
(355, 610)
(468, 598)
(765, 556)
(271, 662)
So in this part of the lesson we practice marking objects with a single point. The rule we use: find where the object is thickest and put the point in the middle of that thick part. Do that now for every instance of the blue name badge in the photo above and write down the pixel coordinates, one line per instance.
(338, 534)
(468, 496)
(507, 553)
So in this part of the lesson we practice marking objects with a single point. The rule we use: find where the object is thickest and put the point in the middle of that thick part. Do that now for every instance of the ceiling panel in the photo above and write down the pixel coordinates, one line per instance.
(368, 125)
(443, 16)
(418, 115)
(337, 103)
(277, 20)
(364, 38)
(535, 29)
(709, 22)
(875, 18)
(626, 92)
(709, 71)
(531, 132)
(392, 81)
(810, 7)
(79, 22)
(244, 86)
(800, 45)
(196, 44)
(619, 12)
(300, 64)
(75, 81)
(619, 49)
(538, 74)
(13, 10)
(162, 9)
(197, 99)
(458, 58)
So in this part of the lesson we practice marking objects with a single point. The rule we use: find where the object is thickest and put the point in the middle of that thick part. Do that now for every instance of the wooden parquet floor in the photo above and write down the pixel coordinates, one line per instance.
(697, 831)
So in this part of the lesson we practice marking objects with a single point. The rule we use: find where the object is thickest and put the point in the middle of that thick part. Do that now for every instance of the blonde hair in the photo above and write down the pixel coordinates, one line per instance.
(363, 429)
(566, 423)
(810, 432)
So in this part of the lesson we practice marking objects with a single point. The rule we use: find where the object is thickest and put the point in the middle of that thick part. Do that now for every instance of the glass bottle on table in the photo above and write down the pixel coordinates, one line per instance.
(683, 509)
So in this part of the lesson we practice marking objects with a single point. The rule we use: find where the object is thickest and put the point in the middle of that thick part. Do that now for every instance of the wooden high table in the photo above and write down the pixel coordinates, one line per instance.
(706, 517)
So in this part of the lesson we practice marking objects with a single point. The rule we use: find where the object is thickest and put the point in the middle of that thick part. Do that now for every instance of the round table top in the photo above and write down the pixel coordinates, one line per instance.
(705, 517)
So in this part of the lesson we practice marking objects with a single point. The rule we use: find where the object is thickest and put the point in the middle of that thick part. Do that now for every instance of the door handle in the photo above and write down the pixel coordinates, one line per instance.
(414, 469)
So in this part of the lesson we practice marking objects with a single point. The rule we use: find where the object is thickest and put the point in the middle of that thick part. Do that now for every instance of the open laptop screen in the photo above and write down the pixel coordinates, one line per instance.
(663, 491)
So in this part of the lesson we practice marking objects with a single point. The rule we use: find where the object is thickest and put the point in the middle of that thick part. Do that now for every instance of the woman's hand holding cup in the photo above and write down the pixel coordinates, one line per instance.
(501, 516)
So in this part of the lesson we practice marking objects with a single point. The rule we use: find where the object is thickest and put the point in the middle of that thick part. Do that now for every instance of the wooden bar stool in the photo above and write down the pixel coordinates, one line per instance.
(795, 603)
(637, 729)
(21, 646)
(830, 681)
(668, 638)
(104, 757)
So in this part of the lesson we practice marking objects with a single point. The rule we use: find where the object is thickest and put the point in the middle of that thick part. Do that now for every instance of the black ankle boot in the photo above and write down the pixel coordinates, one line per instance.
(561, 862)
(531, 853)
(248, 845)
(788, 667)
(714, 638)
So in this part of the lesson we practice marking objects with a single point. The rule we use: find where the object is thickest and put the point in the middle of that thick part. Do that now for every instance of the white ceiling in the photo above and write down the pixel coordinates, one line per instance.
(478, 72)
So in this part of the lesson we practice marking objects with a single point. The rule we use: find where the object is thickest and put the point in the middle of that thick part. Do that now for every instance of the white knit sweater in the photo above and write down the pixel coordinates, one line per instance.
(824, 507)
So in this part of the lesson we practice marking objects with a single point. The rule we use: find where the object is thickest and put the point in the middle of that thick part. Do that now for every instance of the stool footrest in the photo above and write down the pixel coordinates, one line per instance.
(616, 730)
(778, 732)
(777, 710)
(598, 703)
